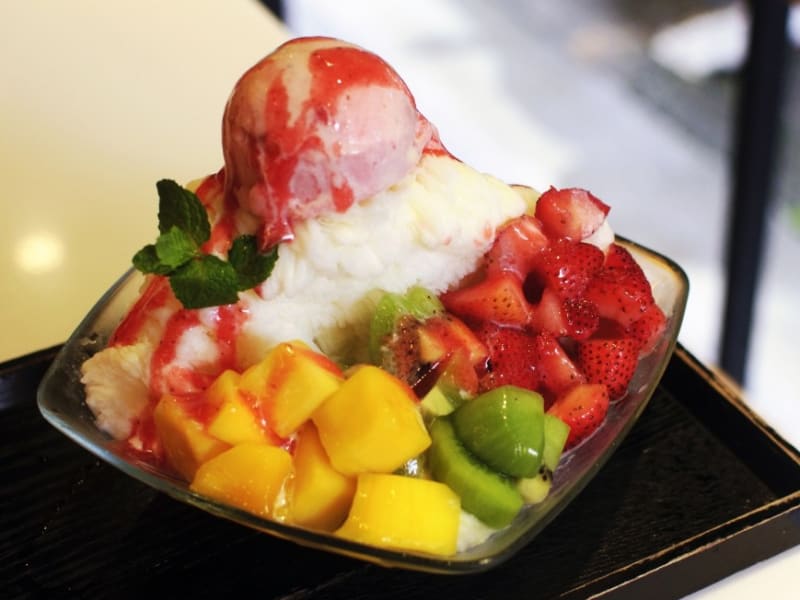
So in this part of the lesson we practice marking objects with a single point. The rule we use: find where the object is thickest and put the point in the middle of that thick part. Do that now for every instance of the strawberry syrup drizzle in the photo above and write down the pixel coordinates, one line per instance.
(157, 294)
(229, 320)
(187, 384)
(210, 192)
(167, 350)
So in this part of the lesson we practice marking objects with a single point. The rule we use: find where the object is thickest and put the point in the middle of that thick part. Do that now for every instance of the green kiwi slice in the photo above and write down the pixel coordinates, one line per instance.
(484, 493)
(556, 433)
(504, 427)
(418, 302)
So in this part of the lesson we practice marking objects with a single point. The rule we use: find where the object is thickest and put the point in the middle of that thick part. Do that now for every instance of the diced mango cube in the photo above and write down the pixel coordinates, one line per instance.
(320, 495)
(248, 476)
(371, 423)
(289, 384)
(236, 423)
(185, 440)
(403, 513)
(224, 387)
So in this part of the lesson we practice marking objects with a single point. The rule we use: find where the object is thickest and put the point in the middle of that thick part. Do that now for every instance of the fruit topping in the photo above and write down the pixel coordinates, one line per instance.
(504, 428)
(489, 496)
(404, 513)
(648, 328)
(557, 371)
(556, 433)
(417, 302)
(583, 408)
(566, 267)
(620, 289)
(497, 299)
(610, 362)
(512, 357)
(516, 247)
(570, 213)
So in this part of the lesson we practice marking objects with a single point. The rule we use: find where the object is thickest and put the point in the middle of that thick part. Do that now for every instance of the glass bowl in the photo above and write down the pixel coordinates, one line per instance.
(61, 401)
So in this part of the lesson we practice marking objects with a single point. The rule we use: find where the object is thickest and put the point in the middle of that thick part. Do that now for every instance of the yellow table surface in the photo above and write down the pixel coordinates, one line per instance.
(98, 101)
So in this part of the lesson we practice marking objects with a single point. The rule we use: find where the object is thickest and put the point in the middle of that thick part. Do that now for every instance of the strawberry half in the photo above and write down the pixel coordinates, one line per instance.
(571, 213)
(557, 372)
(498, 299)
(582, 318)
(575, 317)
(512, 357)
(610, 362)
(516, 247)
(648, 328)
(583, 408)
(620, 289)
(566, 267)
(618, 257)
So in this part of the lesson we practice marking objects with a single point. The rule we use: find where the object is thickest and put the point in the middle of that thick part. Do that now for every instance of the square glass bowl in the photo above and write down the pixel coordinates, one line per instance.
(61, 400)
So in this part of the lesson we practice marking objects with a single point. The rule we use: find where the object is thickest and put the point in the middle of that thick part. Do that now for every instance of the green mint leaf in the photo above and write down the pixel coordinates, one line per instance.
(146, 260)
(175, 247)
(250, 265)
(178, 207)
(204, 281)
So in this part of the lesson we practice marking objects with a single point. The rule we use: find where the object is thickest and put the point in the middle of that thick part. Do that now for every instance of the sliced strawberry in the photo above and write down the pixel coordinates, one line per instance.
(566, 267)
(610, 362)
(582, 318)
(557, 372)
(648, 328)
(571, 213)
(583, 408)
(446, 342)
(497, 299)
(400, 354)
(620, 289)
(619, 257)
(548, 314)
(512, 357)
(516, 247)
(577, 318)
(442, 335)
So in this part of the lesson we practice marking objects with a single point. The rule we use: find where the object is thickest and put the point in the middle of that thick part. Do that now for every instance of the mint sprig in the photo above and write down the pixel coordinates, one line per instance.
(199, 279)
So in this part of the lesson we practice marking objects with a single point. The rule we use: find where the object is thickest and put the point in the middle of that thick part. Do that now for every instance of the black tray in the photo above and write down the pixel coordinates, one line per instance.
(700, 489)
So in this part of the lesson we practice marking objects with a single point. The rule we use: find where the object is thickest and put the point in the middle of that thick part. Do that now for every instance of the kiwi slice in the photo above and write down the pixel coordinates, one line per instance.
(535, 489)
(436, 402)
(418, 302)
(422, 303)
(556, 433)
(504, 427)
(484, 493)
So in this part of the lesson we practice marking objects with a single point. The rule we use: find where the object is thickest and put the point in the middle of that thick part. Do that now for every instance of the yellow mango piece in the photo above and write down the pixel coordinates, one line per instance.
(289, 384)
(320, 495)
(403, 513)
(185, 440)
(248, 476)
(225, 387)
(371, 423)
(236, 423)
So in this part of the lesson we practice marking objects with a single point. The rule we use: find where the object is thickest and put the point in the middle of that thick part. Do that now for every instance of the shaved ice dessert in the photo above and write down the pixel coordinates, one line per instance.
(347, 329)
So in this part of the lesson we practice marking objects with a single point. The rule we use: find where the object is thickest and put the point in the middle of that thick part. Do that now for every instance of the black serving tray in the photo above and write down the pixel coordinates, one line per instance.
(700, 489)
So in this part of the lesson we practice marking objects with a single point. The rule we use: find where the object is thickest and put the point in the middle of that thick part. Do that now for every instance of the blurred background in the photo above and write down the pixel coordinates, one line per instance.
(632, 99)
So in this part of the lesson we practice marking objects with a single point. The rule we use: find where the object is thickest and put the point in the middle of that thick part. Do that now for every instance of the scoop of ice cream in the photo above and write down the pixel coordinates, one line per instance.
(314, 127)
